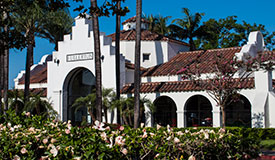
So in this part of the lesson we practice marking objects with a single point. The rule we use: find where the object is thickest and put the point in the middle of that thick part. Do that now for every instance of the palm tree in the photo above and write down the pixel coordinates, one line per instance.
(57, 24)
(137, 64)
(126, 108)
(187, 27)
(108, 96)
(88, 102)
(161, 26)
(38, 106)
(30, 20)
(97, 62)
(152, 20)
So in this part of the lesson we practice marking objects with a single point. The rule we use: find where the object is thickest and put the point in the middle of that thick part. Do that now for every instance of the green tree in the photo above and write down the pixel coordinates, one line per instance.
(9, 38)
(126, 108)
(39, 106)
(159, 24)
(187, 27)
(227, 32)
(137, 64)
(56, 25)
(30, 19)
(108, 96)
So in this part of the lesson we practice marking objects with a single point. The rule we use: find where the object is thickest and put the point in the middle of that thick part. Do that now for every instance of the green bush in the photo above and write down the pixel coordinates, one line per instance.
(31, 137)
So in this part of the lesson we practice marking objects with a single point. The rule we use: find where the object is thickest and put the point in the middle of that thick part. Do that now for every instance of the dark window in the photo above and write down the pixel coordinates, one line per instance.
(146, 56)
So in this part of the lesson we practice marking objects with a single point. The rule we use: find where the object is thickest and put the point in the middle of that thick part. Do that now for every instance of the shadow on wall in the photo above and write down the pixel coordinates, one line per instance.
(259, 117)
(159, 52)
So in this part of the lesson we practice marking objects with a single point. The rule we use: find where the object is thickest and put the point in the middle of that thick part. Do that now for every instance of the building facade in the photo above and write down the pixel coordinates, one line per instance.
(69, 73)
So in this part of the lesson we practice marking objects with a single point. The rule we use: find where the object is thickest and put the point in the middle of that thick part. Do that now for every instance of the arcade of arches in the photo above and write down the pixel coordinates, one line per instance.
(198, 112)
(197, 109)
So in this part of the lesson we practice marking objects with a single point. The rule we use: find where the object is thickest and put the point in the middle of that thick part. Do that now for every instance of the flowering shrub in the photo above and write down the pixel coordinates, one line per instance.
(26, 137)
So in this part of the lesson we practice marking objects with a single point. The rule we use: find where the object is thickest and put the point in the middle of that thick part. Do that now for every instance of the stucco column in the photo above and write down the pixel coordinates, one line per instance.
(217, 117)
(148, 117)
(180, 119)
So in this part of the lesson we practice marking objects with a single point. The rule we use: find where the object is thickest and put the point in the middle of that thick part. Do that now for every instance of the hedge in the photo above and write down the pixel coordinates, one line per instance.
(32, 137)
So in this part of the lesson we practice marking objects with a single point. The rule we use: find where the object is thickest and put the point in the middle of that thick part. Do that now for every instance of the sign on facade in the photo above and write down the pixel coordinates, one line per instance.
(80, 57)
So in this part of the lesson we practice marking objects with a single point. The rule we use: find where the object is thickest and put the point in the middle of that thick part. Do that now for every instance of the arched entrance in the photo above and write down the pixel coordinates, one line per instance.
(166, 111)
(238, 112)
(79, 83)
(198, 112)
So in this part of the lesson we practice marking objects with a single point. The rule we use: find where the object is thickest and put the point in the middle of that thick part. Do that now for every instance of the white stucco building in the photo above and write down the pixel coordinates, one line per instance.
(69, 73)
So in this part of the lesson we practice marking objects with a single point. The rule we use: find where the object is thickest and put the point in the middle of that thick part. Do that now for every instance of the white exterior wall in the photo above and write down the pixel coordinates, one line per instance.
(81, 42)
(158, 52)
(174, 49)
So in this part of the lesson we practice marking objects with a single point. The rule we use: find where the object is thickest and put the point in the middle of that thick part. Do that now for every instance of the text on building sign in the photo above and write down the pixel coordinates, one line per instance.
(80, 57)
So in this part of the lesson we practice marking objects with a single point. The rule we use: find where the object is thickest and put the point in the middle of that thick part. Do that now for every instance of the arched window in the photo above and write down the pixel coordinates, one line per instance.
(198, 112)
(238, 112)
(166, 111)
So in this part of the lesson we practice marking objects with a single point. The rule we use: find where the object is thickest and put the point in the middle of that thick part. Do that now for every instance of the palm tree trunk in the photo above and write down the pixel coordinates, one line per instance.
(28, 65)
(117, 45)
(6, 69)
(97, 63)
(105, 113)
(1, 74)
(137, 64)
(6, 77)
(92, 115)
(192, 44)
(223, 116)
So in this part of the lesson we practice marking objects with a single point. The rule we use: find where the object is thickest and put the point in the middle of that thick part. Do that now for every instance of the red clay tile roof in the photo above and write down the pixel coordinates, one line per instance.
(146, 35)
(179, 86)
(37, 75)
(186, 58)
(133, 19)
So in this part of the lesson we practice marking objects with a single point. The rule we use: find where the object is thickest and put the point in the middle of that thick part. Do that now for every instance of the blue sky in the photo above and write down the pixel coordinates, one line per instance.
(251, 11)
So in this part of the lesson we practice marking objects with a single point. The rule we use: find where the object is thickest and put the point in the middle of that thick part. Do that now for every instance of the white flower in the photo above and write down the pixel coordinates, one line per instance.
(222, 130)
(156, 156)
(103, 135)
(111, 143)
(168, 138)
(77, 158)
(142, 125)
(16, 157)
(23, 150)
(191, 158)
(31, 129)
(206, 135)
(9, 124)
(124, 151)
(179, 133)
(176, 140)
(54, 151)
(144, 135)
(44, 157)
(99, 125)
(12, 129)
(28, 114)
(45, 141)
(152, 134)
(168, 128)
(158, 126)
(67, 131)
(53, 140)
(119, 141)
